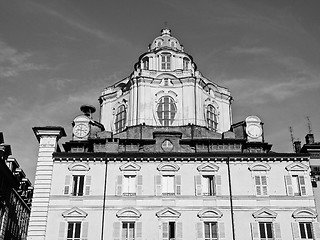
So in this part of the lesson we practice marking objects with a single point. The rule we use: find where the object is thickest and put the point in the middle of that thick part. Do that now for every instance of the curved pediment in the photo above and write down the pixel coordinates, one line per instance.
(264, 213)
(210, 213)
(128, 213)
(168, 167)
(78, 166)
(297, 166)
(168, 213)
(208, 167)
(259, 166)
(304, 213)
(130, 166)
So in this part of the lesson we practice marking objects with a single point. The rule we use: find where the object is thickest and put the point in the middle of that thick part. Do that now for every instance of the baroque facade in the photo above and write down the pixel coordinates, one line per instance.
(165, 161)
(15, 196)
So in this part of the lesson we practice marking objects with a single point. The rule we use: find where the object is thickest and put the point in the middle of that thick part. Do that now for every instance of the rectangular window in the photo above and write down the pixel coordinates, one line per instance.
(74, 230)
(168, 185)
(78, 185)
(261, 185)
(128, 231)
(172, 230)
(210, 231)
(129, 185)
(208, 185)
(305, 230)
(265, 229)
(165, 62)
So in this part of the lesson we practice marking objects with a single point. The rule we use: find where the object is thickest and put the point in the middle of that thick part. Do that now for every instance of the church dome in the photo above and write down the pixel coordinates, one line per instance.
(166, 41)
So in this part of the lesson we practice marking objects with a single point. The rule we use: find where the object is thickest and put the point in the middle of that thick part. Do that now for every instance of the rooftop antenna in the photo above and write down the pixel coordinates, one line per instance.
(309, 125)
(292, 139)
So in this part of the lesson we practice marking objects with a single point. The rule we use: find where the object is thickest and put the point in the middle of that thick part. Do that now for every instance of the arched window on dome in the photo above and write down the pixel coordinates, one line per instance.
(212, 119)
(165, 61)
(120, 120)
(145, 63)
(172, 44)
(185, 63)
(166, 111)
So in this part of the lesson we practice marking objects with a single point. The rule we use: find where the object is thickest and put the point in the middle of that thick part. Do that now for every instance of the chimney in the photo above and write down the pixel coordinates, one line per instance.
(297, 146)
(309, 138)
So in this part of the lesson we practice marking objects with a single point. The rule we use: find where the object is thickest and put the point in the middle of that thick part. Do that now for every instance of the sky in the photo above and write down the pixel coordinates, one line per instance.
(58, 55)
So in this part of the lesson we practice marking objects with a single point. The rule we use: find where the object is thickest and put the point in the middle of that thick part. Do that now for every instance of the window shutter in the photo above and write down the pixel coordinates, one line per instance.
(178, 184)
(84, 231)
(221, 229)
(139, 231)
(199, 228)
(316, 230)
(264, 185)
(302, 183)
(88, 185)
(258, 185)
(255, 231)
(197, 181)
(139, 184)
(277, 231)
(288, 181)
(165, 231)
(295, 231)
(119, 185)
(62, 227)
(218, 184)
(67, 184)
(179, 230)
(157, 185)
(116, 231)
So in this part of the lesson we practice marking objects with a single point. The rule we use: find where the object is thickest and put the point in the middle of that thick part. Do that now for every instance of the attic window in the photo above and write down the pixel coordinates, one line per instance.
(145, 63)
(166, 61)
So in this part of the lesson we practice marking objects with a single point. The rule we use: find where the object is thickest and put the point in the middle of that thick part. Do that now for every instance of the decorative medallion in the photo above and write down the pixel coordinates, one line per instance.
(167, 145)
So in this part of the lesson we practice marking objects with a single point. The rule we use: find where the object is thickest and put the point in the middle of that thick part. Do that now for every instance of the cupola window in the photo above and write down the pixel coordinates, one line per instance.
(185, 63)
(166, 111)
(120, 121)
(212, 118)
(165, 61)
(145, 63)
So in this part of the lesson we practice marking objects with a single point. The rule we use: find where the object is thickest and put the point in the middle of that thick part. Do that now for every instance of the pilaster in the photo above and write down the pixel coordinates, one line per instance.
(48, 144)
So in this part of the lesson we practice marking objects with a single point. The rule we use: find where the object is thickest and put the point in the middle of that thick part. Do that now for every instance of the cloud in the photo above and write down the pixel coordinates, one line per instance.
(260, 91)
(14, 62)
(78, 24)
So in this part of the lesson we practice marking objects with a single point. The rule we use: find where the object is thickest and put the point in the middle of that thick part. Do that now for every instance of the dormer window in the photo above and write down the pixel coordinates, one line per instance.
(166, 111)
(166, 61)
(145, 63)
(120, 120)
(212, 120)
(185, 63)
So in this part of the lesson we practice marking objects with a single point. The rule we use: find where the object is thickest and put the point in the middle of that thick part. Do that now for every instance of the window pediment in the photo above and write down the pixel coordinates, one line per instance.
(128, 213)
(264, 213)
(130, 166)
(304, 213)
(260, 166)
(168, 213)
(170, 167)
(74, 213)
(208, 167)
(77, 166)
(210, 213)
(297, 167)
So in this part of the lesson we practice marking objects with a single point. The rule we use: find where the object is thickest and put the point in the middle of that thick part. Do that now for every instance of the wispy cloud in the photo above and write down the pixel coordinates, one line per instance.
(78, 24)
(14, 62)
